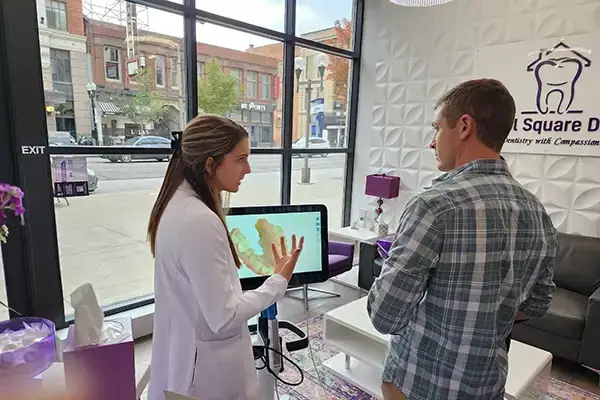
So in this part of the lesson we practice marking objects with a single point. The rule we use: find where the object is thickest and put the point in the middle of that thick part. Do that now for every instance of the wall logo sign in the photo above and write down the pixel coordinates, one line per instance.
(556, 72)
(555, 87)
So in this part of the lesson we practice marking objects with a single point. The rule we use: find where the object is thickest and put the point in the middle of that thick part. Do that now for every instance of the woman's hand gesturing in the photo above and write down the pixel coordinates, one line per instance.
(286, 263)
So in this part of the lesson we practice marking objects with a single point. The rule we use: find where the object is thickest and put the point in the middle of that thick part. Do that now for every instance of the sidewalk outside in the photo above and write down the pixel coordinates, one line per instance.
(102, 238)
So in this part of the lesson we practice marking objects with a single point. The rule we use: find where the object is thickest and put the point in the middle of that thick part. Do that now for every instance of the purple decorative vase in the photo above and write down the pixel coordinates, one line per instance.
(34, 356)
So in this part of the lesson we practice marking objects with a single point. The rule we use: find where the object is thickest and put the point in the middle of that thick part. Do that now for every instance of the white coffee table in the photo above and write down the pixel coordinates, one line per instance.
(355, 235)
(363, 349)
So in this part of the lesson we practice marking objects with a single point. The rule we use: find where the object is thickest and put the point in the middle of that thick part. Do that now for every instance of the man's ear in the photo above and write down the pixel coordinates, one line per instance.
(467, 126)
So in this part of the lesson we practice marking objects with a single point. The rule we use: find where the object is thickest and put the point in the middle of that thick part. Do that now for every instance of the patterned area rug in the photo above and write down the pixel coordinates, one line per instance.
(322, 385)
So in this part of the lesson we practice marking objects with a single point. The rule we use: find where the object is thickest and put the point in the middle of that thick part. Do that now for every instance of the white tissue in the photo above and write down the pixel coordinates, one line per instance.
(89, 317)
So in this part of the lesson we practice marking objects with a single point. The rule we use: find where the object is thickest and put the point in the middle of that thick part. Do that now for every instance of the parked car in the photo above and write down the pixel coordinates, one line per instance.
(313, 143)
(92, 180)
(60, 138)
(157, 142)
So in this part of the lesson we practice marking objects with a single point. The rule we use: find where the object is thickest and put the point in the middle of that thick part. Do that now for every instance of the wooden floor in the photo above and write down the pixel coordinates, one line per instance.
(291, 308)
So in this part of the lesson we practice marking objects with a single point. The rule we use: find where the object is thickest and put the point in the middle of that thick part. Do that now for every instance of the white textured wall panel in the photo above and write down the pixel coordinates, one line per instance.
(413, 55)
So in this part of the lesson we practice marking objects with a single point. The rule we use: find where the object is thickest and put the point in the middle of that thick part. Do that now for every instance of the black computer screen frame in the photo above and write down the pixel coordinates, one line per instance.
(302, 278)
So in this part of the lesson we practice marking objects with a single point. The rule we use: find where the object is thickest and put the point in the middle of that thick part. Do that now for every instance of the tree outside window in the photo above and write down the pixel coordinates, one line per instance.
(145, 105)
(218, 93)
(339, 67)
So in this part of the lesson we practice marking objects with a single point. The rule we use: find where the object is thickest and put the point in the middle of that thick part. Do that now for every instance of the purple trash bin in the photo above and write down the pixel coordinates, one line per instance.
(29, 361)
(383, 248)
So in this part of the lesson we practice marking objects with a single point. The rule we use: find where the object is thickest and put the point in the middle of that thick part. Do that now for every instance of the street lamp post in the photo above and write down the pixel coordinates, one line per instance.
(91, 89)
(321, 62)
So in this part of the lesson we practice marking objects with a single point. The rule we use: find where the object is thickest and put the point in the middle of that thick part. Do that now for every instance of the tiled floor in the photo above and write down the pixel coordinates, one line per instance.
(291, 309)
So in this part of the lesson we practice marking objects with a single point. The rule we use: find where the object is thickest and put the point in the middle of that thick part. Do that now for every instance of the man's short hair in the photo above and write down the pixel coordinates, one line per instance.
(490, 104)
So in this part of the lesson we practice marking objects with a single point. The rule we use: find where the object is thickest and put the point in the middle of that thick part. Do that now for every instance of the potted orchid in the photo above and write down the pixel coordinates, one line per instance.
(11, 200)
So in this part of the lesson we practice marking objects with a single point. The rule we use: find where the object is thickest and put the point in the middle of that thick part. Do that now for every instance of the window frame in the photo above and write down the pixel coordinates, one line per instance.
(160, 58)
(269, 87)
(240, 79)
(114, 63)
(56, 7)
(175, 73)
(248, 94)
(34, 283)
(66, 65)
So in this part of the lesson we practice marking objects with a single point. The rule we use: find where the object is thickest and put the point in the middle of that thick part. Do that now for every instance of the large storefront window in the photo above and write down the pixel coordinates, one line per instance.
(127, 87)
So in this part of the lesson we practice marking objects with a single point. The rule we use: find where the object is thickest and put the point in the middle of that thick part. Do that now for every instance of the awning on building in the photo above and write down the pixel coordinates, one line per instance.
(108, 108)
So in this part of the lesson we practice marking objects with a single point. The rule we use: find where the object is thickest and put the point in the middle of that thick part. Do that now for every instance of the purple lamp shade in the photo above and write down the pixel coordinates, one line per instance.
(382, 186)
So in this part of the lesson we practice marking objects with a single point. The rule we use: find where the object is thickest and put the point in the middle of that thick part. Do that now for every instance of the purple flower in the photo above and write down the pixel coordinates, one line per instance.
(11, 198)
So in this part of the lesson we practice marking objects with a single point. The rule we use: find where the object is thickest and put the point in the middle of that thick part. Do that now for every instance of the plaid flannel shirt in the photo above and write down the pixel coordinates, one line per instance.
(469, 253)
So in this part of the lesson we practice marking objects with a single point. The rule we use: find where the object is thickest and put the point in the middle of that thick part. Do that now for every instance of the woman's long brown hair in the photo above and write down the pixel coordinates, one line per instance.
(206, 136)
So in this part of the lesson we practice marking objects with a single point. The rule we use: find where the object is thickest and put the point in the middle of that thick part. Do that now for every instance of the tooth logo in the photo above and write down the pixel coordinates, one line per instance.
(556, 71)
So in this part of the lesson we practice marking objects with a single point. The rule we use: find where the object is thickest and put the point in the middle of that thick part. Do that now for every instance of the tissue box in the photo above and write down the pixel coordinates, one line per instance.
(101, 372)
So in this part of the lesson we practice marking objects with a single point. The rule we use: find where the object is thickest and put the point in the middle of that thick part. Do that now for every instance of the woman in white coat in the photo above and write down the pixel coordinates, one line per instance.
(201, 343)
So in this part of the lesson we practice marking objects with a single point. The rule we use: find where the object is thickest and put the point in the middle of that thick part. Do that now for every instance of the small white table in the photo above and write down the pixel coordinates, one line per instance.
(363, 350)
(355, 235)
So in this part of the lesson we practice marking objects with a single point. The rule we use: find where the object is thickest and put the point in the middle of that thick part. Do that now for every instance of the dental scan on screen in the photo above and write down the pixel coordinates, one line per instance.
(253, 235)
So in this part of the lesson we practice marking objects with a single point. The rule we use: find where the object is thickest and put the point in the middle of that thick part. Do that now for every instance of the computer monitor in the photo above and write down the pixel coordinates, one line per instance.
(254, 229)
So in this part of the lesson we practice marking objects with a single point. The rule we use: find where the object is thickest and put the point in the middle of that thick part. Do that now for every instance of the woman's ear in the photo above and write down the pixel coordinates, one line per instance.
(208, 167)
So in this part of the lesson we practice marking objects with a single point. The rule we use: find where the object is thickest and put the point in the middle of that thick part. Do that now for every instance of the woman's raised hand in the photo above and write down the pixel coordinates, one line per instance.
(286, 263)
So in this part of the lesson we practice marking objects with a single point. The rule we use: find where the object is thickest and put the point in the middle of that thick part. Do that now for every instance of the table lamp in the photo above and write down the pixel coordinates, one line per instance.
(384, 187)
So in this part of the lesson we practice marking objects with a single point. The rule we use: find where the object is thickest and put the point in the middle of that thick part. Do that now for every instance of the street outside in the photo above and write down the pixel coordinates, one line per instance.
(102, 237)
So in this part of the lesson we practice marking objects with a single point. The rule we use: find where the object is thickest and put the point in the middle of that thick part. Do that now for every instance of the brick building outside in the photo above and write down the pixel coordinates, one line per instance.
(79, 53)
(64, 68)
(332, 125)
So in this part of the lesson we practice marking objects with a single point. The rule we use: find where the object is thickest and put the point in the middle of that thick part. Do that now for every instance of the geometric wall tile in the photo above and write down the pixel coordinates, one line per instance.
(382, 69)
(549, 24)
(395, 119)
(392, 137)
(417, 54)
(518, 7)
(417, 68)
(521, 28)
(492, 32)
(471, 10)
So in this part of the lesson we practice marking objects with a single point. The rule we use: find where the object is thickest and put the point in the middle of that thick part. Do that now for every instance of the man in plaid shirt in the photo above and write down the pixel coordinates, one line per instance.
(471, 255)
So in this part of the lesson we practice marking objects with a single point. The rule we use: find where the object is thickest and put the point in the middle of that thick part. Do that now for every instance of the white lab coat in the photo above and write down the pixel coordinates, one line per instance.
(201, 345)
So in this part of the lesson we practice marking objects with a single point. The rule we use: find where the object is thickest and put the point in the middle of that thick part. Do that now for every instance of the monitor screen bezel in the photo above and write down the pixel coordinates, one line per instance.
(304, 278)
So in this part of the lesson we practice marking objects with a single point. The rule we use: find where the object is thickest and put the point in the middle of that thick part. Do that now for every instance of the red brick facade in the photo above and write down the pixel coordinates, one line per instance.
(74, 17)
(101, 35)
